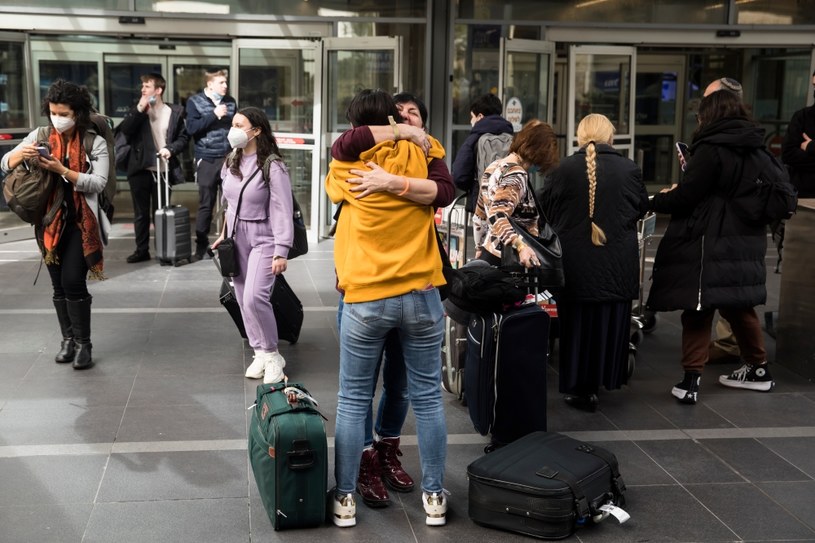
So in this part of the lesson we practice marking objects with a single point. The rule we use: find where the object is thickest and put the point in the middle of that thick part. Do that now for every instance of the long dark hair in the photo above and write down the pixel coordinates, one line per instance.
(76, 97)
(266, 142)
(718, 105)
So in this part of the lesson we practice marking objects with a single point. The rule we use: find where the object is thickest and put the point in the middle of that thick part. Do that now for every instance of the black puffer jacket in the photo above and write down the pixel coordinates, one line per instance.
(709, 258)
(610, 272)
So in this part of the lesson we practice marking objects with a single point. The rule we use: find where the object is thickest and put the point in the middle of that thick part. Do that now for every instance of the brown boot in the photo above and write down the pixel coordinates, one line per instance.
(392, 472)
(369, 483)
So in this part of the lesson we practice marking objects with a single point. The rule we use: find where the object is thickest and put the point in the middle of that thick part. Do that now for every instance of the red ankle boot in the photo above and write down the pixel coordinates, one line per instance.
(369, 482)
(392, 472)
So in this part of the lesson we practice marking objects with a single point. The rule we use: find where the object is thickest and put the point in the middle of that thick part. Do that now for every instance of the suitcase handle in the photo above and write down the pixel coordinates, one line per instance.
(302, 456)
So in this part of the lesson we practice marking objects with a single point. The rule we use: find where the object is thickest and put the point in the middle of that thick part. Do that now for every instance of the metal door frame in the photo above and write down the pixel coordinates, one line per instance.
(540, 47)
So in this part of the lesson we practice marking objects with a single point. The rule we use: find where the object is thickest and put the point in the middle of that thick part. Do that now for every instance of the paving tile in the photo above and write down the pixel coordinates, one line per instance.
(796, 499)
(65, 423)
(796, 451)
(688, 462)
(49, 480)
(749, 513)
(61, 523)
(179, 521)
(72, 388)
(205, 420)
(753, 460)
(174, 476)
(173, 390)
(636, 467)
(748, 409)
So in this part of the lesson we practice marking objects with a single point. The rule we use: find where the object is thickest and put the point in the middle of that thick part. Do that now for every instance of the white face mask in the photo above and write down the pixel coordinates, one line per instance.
(61, 124)
(237, 138)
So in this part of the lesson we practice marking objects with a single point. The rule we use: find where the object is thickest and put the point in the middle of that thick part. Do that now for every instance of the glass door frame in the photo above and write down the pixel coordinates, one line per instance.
(300, 141)
(622, 141)
(329, 45)
(539, 47)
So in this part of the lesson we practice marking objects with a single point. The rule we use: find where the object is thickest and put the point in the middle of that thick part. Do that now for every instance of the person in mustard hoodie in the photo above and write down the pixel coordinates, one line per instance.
(388, 264)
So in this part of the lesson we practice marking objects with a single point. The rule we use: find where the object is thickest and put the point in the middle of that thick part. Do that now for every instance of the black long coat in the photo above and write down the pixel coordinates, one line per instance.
(709, 257)
(608, 273)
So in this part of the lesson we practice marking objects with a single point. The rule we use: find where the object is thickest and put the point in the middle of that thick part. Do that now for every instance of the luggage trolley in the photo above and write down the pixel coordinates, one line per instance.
(643, 321)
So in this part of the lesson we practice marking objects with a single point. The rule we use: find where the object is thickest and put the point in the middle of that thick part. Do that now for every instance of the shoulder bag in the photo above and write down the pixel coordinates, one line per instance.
(227, 255)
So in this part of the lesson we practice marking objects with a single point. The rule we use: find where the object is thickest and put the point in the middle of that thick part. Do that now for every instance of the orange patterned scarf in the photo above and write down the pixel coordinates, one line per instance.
(85, 219)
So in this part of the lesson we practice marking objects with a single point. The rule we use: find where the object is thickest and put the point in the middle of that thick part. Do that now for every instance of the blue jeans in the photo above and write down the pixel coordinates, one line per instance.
(394, 403)
(418, 317)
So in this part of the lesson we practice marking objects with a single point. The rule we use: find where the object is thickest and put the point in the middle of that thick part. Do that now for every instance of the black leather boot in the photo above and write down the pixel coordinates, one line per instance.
(66, 350)
(80, 314)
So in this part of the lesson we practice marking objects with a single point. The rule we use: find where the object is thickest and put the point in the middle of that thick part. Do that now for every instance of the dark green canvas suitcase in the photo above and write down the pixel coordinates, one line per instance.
(289, 456)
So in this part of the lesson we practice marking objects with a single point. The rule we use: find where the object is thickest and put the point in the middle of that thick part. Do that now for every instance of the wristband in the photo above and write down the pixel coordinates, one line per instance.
(407, 187)
(394, 126)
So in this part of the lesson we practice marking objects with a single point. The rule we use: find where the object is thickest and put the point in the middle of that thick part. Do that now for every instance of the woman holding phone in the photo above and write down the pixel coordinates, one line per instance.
(71, 244)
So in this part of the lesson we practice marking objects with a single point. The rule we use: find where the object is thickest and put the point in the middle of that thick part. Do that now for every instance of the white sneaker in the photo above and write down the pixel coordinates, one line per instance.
(274, 368)
(345, 511)
(258, 365)
(435, 506)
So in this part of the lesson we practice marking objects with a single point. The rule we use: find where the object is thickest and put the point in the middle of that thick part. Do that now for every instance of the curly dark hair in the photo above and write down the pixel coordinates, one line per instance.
(267, 144)
(76, 97)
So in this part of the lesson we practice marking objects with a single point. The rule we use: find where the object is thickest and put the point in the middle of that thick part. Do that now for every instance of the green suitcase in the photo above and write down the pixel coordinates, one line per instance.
(289, 455)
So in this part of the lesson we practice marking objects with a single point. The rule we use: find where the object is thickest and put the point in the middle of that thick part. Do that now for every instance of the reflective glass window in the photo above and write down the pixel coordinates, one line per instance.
(601, 86)
(13, 97)
(775, 12)
(602, 11)
(123, 85)
(82, 73)
(339, 8)
(81, 4)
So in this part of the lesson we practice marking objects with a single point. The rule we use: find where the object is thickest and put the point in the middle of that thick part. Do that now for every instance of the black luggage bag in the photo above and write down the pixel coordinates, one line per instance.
(505, 381)
(545, 485)
(288, 310)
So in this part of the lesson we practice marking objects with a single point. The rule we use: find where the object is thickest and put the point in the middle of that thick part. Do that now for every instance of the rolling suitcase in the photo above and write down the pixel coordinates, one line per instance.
(288, 452)
(172, 222)
(230, 303)
(505, 381)
(288, 311)
(545, 485)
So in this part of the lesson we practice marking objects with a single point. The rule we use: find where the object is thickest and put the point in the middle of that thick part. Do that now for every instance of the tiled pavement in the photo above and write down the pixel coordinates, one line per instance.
(150, 445)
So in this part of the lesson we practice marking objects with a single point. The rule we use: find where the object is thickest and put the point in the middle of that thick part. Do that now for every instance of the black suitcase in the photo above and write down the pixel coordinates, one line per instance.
(453, 357)
(288, 310)
(505, 381)
(172, 222)
(545, 485)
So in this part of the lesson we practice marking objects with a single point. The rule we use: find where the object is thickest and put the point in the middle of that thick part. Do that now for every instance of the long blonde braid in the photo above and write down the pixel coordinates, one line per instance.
(598, 237)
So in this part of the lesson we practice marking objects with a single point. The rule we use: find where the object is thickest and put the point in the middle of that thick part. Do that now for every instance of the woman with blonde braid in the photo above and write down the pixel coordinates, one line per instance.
(593, 201)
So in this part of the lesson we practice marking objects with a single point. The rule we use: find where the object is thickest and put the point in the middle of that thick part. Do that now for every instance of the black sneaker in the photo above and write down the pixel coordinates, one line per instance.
(750, 377)
(688, 390)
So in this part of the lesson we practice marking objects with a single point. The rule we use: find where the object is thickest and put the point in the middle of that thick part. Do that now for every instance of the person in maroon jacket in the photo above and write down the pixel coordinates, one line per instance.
(380, 465)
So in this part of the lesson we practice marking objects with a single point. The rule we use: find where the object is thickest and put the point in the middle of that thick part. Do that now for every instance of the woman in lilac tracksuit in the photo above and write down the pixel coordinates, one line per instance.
(263, 232)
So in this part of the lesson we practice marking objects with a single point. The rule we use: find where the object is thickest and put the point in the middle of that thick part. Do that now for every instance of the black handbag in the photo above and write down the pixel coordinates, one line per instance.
(227, 252)
(299, 244)
(546, 246)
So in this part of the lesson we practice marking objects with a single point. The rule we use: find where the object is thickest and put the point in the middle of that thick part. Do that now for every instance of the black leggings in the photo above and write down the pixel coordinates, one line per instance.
(69, 277)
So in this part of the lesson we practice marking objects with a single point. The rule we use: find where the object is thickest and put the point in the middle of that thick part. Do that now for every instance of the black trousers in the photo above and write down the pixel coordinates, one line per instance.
(208, 178)
(69, 277)
(144, 193)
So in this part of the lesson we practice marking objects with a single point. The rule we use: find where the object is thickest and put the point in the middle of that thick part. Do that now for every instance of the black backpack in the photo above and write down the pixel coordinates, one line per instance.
(102, 124)
(764, 194)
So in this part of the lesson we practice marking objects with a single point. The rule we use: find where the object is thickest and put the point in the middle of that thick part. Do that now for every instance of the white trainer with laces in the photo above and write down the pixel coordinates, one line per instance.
(435, 506)
(258, 365)
(274, 368)
(750, 377)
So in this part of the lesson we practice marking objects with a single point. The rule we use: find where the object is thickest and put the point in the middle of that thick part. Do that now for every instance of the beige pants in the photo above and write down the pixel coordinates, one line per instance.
(725, 340)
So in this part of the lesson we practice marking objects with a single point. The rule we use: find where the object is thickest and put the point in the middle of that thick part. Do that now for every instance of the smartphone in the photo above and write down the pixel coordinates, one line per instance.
(684, 152)
(44, 152)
